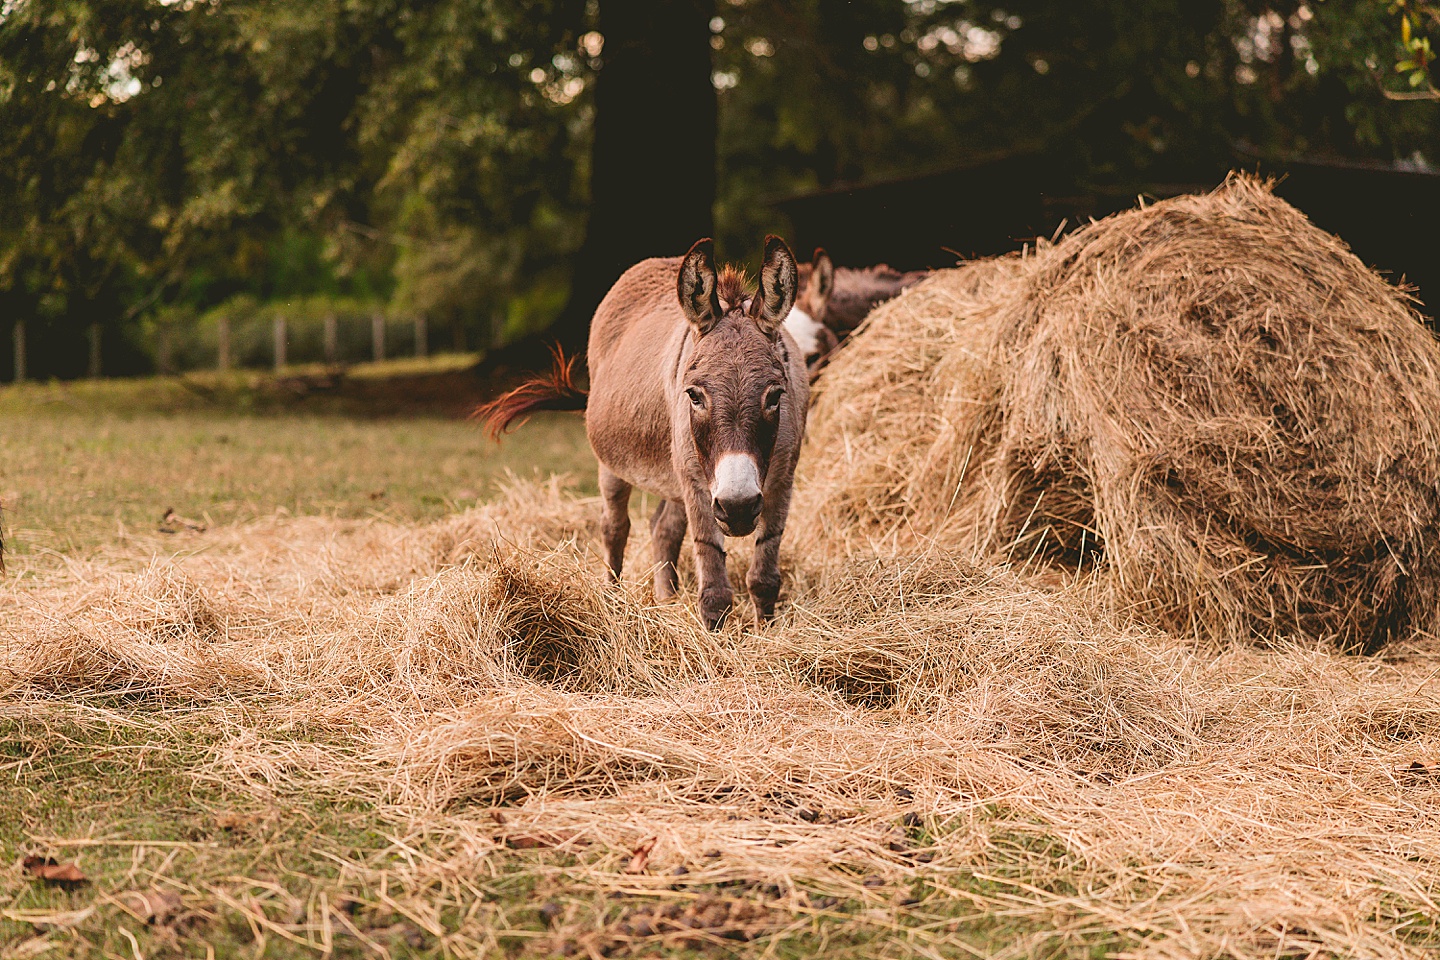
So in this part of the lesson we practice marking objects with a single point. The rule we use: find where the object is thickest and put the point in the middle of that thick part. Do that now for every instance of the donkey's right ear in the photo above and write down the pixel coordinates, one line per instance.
(823, 274)
(696, 287)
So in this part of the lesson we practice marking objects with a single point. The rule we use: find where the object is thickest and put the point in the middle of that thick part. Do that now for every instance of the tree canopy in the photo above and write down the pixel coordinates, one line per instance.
(435, 157)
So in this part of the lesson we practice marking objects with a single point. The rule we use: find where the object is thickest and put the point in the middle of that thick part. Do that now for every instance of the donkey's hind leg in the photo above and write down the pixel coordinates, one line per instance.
(614, 519)
(667, 534)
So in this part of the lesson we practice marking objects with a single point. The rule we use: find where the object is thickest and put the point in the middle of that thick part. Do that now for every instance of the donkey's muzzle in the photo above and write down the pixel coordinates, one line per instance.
(737, 517)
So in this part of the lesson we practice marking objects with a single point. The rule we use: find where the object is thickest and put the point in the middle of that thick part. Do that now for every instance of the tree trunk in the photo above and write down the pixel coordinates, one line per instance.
(164, 351)
(377, 336)
(222, 345)
(652, 184)
(332, 339)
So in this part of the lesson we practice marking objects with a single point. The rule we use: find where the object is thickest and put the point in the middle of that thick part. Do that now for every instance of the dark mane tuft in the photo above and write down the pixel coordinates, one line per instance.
(732, 286)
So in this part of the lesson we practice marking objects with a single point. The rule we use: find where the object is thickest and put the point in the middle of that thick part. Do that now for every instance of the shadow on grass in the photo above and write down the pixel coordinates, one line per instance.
(445, 386)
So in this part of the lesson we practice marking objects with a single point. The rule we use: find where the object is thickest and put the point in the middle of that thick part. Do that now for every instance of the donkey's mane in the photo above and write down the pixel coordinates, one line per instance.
(732, 286)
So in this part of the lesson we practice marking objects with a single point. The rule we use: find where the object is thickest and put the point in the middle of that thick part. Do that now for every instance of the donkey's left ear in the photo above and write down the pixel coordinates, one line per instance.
(779, 279)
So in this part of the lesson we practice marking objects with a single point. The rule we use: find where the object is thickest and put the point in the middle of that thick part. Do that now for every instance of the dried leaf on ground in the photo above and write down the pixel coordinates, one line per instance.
(153, 905)
(172, 522)
(641, 856)
(542, 839)
(50, 870)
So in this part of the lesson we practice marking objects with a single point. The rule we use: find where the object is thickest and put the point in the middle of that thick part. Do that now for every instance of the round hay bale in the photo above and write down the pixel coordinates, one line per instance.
(1208, 406)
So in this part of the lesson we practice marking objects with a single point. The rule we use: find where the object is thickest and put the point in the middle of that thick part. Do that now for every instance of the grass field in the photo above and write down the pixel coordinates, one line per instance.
(87, 465)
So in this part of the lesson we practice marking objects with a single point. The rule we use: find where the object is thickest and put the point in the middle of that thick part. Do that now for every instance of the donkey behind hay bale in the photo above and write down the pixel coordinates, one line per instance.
(699, 398)
(832, 301)
(806, 320)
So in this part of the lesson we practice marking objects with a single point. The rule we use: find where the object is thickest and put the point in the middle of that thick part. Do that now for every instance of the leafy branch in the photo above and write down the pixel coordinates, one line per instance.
(1417, 55)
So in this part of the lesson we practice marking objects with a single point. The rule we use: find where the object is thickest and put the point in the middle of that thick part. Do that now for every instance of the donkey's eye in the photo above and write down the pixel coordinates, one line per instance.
(696, 396)
(772, 399)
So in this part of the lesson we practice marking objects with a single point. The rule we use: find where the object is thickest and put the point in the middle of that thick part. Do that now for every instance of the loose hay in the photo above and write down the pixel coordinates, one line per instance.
(1064, 771)
(998, 744)
(1208, 402)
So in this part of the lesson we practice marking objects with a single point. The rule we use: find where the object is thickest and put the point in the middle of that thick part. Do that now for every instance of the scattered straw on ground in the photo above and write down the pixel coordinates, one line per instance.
(907, 719)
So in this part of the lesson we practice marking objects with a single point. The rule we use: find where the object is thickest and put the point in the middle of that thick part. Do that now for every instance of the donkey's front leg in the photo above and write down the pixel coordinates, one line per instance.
(763, 578)
(716, 597)
(614, 519)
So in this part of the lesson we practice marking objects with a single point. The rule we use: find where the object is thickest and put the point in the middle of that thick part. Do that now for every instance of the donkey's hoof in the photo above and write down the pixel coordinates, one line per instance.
(763, 594)
(714, 620)
(714, 608)
(665, 588)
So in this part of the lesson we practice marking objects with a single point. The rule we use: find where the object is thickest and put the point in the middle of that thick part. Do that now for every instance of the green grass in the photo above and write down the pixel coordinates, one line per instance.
(121, 800)
(83, 465)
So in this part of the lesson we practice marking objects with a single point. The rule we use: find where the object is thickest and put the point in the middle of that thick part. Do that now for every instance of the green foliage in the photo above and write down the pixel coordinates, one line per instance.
(433, 154)
(1416, 55)
(165, 153)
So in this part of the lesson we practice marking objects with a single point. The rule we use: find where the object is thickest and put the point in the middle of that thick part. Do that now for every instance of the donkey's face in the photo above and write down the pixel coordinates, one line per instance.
(734, 385)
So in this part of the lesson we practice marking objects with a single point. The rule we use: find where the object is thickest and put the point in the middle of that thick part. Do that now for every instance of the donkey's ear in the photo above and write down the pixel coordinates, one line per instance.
(823, 275)
(779, 279)
(696, 287)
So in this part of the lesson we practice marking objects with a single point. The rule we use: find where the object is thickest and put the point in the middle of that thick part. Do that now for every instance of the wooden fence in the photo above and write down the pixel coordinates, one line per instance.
(224, 353)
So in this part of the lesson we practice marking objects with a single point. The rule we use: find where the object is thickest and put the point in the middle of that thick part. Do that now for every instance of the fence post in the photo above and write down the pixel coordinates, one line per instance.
(422, 337)
(93, 370)
(332, 338)
(280, 342)
(19, 351)
(223, 337)
(377, 335)
(163, 351)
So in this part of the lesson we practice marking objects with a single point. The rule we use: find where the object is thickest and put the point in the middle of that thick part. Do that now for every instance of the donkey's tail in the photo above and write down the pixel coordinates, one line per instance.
(555, 390)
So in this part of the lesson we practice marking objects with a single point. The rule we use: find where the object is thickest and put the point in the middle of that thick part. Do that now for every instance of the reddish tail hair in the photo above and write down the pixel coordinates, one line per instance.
(555, 390)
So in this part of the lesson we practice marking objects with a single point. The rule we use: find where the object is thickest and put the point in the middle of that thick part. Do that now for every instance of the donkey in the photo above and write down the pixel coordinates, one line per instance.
(806, 321)
(832, 301)
(699, 395)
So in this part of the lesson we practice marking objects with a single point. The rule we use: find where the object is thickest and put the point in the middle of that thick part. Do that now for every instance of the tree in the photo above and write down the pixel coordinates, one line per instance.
(652, 181)
(163, 153)
(495, 164)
